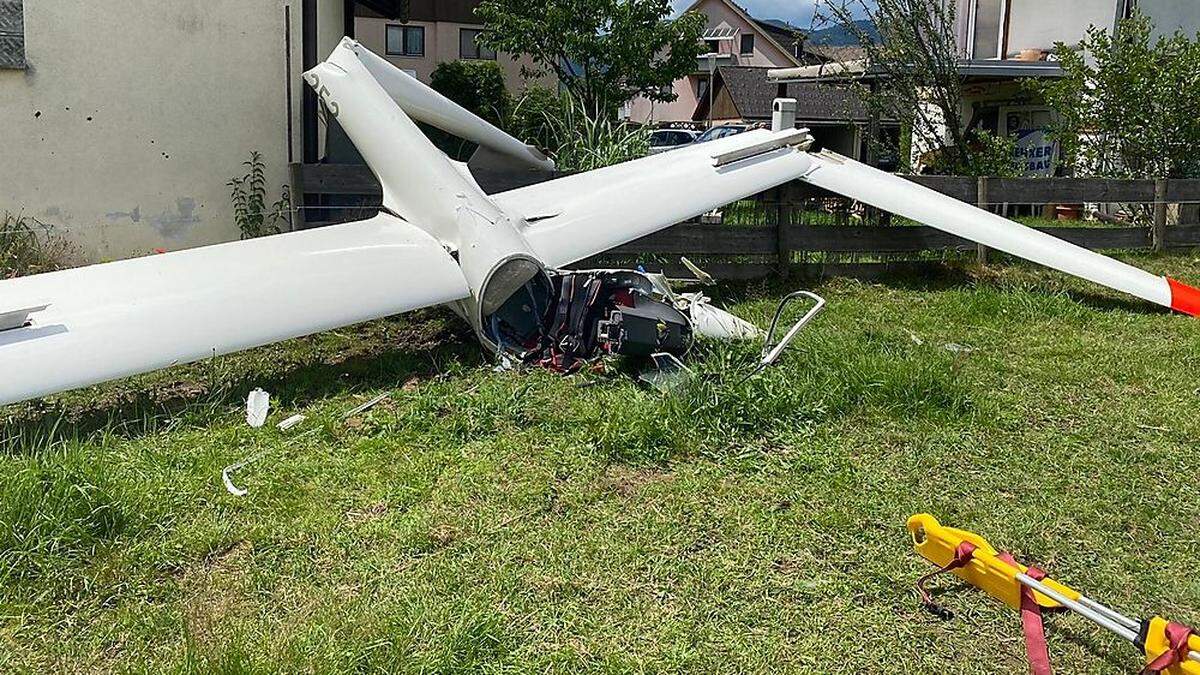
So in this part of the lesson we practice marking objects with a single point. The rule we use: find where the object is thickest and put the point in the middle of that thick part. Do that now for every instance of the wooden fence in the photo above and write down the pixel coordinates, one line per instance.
(784, 236)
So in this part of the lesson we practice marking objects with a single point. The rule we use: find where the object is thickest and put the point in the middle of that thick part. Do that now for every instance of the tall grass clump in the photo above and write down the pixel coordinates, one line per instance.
(58, 509)
(578, 139)
(29, 247)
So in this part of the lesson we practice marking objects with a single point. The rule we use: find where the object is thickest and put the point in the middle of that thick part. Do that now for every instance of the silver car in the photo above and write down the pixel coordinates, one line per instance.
(671, 139)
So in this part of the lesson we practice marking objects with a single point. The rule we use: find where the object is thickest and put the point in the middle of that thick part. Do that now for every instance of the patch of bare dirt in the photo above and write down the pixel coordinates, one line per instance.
(627, 481)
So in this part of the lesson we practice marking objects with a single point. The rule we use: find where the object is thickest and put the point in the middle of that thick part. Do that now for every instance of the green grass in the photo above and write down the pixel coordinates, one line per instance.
(527, 522)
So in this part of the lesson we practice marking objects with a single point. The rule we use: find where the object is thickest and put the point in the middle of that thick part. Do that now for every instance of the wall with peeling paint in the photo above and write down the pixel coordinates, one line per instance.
(133, 114)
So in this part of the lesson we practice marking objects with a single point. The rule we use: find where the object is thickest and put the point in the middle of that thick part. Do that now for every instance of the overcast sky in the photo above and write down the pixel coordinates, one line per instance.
(796, 12)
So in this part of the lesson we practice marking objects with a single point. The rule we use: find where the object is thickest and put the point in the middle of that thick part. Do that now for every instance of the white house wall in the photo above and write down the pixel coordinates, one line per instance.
(441, 45)
(133, 114)
(1171, 15)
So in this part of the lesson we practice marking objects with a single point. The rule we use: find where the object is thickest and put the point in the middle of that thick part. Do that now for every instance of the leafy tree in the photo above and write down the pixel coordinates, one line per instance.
(1127, 108)
(912, 53)
(604, 52)
(477, 86)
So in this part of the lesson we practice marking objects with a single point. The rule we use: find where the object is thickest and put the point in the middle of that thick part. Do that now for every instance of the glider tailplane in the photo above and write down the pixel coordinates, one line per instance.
(424, 104)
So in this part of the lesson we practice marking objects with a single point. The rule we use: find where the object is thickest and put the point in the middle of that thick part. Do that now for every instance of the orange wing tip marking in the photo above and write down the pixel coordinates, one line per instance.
(1184, 298)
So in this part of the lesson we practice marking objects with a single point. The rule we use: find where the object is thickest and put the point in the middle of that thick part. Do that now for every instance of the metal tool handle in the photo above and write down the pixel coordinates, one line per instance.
(1099, 614)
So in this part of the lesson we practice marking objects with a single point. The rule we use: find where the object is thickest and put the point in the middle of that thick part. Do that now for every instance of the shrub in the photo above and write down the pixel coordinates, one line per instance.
(531, 117)
(29, 247)
(249, 196)
(477, 86)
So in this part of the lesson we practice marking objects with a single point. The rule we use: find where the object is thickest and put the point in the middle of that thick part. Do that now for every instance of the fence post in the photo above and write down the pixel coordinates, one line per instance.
(783, 253)
(981, 200)
(1158, 235)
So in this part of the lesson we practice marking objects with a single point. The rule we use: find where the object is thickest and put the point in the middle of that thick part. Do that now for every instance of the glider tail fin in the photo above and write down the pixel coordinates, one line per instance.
(419, 182)
(497, 149)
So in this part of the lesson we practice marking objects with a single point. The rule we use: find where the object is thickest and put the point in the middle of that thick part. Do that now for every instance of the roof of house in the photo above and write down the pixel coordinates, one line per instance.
(753, 95)
(759, 27)
(788, 38)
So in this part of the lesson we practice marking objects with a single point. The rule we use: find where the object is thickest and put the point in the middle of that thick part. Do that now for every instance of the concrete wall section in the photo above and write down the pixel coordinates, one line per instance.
(133, 114)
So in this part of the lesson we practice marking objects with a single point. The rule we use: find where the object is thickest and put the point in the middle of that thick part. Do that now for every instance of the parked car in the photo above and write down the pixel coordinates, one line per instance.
(723, 130)
(671, 139)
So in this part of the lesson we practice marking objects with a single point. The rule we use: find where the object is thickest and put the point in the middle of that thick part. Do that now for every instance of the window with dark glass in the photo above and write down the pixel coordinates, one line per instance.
(12, 34)
(988, 20)
(406, 40)
(469, 47)
(747, 43)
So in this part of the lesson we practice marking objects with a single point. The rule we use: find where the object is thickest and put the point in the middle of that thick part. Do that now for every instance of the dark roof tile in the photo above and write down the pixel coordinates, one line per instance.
(754, 94)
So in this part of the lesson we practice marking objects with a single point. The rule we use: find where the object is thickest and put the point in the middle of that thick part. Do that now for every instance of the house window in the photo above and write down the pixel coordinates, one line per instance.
(713, 46)
(469, 47)
(406, 41)
(987, 26)
(747, 43)
(12, 34)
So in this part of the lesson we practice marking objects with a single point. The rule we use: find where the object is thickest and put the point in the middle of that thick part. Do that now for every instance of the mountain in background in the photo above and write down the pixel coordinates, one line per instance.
(840, 36)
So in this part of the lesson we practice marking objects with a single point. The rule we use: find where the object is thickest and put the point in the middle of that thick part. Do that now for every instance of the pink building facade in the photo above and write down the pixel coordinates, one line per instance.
(743, 42)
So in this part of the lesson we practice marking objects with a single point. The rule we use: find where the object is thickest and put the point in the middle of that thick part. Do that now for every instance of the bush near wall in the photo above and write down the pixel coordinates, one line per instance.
(29, 247)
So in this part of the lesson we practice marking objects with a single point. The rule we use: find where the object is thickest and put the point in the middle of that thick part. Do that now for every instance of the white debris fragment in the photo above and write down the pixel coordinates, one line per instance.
(701, 276)
(258, 404)
(291, 422)
(367, 406)
(956, 348)
(233, 489)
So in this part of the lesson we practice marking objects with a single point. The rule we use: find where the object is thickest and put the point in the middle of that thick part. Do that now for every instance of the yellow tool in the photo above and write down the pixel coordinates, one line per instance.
(1168, 647)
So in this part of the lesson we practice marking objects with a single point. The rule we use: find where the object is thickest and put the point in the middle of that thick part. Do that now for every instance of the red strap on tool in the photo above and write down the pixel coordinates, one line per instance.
(962, 556)
(1177, 637)
(1036, 650)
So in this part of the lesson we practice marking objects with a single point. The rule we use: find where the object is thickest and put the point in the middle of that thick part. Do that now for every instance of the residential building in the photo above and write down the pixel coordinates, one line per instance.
(124, 119)
(1004, 42)
(732, 38)
(434, 32)
(837, 119)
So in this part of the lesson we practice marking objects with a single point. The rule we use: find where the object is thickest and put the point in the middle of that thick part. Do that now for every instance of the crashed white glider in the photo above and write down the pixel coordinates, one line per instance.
(441, 240)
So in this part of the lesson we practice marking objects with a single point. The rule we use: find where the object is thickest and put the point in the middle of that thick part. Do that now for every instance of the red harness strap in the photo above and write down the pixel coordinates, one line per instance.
(1036, 650)
(1031, 612)
(1177, 636)
(962, 556)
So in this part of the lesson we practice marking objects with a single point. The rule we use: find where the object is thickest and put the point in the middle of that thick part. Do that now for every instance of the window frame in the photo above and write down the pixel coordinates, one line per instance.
(404, 31)
(479, 50)
(1001, 30)
(742, 44)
